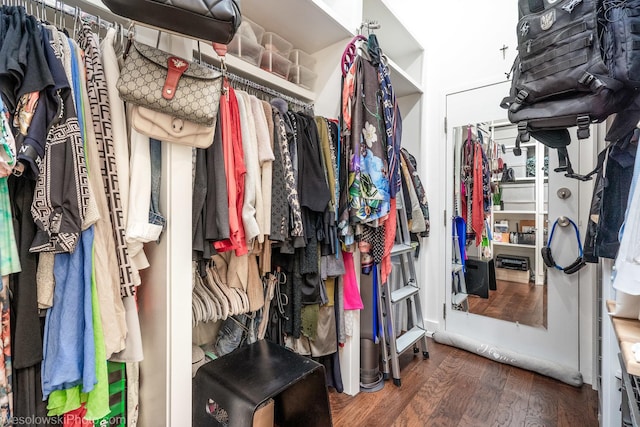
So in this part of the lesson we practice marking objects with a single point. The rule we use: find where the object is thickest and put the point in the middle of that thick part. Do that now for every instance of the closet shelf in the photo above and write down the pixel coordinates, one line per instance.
(403, 83)
(513, 212)
(514, 245)
(311, 25)
(628, 333)
(256, 74)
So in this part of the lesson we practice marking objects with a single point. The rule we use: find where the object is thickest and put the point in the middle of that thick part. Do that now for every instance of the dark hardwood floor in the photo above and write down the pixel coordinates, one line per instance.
(511, 301)
(457, 388)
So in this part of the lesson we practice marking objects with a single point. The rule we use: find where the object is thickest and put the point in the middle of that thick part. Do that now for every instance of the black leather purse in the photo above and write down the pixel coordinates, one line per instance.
(213, 20)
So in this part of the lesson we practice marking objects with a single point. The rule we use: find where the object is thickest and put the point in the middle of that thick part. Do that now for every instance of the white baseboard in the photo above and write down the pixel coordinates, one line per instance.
(431, 326)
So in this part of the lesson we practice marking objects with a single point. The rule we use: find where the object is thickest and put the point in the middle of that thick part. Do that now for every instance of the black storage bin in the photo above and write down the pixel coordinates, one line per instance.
(239, 382)
(480, 276)
(527, 239)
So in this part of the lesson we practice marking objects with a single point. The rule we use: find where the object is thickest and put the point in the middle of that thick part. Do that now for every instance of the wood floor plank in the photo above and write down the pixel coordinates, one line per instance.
(574, 406)
(482, 410)
(543, 404)
(473, 365)
(454, 403)
(512, 406)
(445, 391)
(426, 401)
(387, 404)
(399, 397)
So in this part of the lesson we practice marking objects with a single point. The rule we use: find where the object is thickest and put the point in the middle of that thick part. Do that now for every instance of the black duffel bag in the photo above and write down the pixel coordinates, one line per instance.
(212, 20)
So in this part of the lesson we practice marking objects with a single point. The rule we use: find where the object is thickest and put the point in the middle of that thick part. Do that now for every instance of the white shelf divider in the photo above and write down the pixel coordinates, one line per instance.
(403, 83)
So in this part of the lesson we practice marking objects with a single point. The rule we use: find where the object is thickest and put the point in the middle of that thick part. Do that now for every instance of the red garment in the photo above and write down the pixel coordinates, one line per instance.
(75, 418)
(235, 172)
(477, 205)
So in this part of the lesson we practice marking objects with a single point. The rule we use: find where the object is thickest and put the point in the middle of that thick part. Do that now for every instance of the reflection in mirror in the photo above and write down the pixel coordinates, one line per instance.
(500, 225)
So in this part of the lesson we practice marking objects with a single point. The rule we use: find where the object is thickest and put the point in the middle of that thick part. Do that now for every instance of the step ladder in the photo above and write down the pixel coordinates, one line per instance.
(459, 295)
(401, 301)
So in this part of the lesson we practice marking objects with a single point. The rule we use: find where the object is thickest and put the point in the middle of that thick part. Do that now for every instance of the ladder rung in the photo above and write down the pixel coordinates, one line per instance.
(409, 338)
(403, 293)
(401, 248)
(457, 267)
(459, 298)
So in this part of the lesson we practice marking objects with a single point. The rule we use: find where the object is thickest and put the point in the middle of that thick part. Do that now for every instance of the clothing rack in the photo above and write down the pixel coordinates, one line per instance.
(78, 14)
(38, 8)
(370, 25)
(244, 82)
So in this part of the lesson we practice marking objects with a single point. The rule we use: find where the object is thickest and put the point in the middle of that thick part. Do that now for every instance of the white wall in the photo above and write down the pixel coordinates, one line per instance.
(462, 51)
(463, 41)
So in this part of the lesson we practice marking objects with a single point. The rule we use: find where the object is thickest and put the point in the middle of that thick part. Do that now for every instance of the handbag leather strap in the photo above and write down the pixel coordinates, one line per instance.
(175, 68)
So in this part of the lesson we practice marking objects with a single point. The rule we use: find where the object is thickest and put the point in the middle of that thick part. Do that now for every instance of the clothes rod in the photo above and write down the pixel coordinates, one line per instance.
(250, 83)
(39, 7)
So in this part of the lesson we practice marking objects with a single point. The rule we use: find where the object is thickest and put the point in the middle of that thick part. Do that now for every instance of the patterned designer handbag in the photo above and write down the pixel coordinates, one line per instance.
(165, 83)
(211, 20)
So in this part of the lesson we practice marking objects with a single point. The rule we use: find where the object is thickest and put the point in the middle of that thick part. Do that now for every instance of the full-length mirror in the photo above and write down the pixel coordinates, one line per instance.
(500, 223)
(542, 319)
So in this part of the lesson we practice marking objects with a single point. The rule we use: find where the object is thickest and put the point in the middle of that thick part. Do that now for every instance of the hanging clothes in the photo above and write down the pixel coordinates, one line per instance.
(626, 271)
(95, 403)
(313, 188)
(26, 336)
(280, 209)
(6, 368)
(369, 191)
(265, 161)
(9, 264)
(99, 101)
(267, 156)
(106, 265)
(416, 183)
(415, 216)
(252, 201)
(23, 65)
(9, 257)
(466, 177)
(486, 174)
(61, 194)
(69, 348)
(282, 131)
(235, 170)
(477, 219)
(392, 117)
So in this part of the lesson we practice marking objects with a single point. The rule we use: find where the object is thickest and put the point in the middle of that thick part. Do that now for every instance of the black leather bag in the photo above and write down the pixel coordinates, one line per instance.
(213, 20)
(577, 64)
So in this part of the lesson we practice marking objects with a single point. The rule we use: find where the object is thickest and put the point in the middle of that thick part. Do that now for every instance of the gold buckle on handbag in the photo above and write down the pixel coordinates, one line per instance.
(175, 69)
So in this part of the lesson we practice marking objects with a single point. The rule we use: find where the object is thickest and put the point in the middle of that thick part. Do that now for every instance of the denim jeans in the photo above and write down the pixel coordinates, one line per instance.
(231, 334)
(155, 217)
